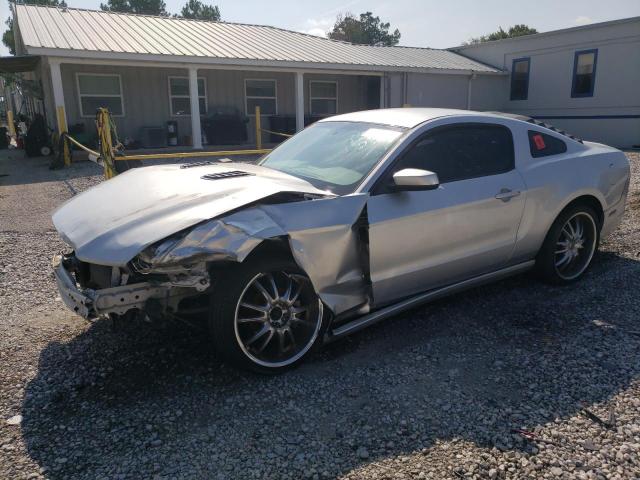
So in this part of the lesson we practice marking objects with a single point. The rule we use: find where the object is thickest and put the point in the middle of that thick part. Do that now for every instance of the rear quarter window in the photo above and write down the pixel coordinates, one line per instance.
(544, 145)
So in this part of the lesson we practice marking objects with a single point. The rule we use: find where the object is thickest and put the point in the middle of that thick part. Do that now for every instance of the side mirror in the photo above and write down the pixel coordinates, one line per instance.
(415, 179)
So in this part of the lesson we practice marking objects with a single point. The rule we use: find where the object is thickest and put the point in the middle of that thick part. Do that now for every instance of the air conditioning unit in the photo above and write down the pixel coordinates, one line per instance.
(153, 137)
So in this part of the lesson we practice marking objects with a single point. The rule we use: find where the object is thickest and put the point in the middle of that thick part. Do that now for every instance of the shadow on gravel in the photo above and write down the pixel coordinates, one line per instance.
(141, 400)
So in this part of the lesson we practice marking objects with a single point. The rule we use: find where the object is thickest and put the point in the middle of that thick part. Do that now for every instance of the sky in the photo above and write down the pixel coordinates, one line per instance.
(422, 23)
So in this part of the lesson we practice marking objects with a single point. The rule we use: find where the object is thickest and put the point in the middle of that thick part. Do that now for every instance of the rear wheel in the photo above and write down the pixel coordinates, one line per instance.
(266, 316)
(570, 245)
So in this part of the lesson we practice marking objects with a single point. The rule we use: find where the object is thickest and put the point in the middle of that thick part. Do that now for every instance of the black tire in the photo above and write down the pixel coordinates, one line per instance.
(230, 336)
(552, 265)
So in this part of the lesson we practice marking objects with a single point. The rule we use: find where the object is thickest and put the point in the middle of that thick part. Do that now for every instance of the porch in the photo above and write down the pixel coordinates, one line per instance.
(151, 103)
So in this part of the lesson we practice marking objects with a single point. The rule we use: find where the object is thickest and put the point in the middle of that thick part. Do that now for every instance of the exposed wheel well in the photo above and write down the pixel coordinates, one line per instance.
(589, 201)
(272, 247)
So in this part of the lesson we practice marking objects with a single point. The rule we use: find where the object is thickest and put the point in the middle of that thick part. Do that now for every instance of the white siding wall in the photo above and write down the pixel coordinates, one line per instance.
(489, 92)
(617, 80)
(447, 91)
(424, 90)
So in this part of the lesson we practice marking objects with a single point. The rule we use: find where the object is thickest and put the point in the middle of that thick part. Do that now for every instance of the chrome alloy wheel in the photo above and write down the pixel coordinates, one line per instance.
(575, 246)
(278, 318)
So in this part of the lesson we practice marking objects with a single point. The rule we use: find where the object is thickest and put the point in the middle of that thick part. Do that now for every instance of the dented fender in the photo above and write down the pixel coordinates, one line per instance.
(321, 234)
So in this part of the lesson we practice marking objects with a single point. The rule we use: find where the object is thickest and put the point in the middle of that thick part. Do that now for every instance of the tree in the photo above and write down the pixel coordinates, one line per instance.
(366, 30)
(8, 38)
(145, 7)
(515, 31)
(196, 10)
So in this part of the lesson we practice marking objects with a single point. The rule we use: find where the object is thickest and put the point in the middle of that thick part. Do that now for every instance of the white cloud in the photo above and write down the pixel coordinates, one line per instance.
(318, 32)
(317, 26)
(583, 20)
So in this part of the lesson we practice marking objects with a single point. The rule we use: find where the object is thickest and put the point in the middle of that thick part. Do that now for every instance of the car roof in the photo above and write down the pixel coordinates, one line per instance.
(539, 123)
(412, 117)
(400, 117)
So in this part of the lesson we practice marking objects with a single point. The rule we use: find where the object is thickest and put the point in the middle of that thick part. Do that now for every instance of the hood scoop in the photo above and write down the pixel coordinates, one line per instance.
(221, 175)
(197, 164)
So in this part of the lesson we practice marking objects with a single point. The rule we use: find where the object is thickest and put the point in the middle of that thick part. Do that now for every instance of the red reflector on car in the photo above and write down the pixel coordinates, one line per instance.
(539, 141)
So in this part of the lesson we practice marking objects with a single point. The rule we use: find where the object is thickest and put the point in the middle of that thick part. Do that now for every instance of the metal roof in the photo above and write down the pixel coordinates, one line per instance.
(97, 34)
(532, 36)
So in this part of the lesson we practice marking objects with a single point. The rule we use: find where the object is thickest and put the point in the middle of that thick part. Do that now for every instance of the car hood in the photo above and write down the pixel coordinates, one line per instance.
(112, 222)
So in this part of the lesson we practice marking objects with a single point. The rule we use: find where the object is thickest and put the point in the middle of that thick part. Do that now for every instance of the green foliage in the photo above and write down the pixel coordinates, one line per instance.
(366, 30)
(515, 31)
(145, 7)
(8, 38)
(197, 10)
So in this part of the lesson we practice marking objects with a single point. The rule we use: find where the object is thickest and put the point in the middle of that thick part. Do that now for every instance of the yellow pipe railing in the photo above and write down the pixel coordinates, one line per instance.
(79, 145)
(258, 129)
(62, 130)
(286, 135)
(220, 153)
(108, 153)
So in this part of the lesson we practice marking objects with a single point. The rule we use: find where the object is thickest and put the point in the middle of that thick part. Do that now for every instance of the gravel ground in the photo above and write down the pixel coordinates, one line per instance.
(436, 393)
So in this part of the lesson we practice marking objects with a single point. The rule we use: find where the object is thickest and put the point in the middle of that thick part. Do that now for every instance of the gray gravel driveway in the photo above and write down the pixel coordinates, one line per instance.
(511, 380)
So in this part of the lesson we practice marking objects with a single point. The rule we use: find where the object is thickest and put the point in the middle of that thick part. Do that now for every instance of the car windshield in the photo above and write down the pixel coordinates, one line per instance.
(333, 156)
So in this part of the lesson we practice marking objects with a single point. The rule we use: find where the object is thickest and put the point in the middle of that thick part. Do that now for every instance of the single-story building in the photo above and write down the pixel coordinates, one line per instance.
(153, 70)
(584, 79)
(150, 70)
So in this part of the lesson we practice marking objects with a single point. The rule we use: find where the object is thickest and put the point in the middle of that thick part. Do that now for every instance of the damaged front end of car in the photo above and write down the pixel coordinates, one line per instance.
(322, 234)
(93, 291)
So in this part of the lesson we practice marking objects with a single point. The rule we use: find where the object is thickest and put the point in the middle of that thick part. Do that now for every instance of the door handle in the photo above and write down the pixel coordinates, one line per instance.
(506, 194)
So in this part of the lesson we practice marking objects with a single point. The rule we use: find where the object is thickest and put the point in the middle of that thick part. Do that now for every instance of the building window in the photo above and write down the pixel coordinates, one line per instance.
(96, 90)
(260, 93)
(323, 98)
(179, 99)
(520, 78)
(584, 73)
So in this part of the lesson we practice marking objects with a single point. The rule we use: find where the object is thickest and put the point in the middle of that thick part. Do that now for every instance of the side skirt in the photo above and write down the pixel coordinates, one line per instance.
(408, 303)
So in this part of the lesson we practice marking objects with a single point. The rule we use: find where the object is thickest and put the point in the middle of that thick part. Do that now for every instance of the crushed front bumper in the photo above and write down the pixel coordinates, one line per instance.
(79, 302)
(92, 304)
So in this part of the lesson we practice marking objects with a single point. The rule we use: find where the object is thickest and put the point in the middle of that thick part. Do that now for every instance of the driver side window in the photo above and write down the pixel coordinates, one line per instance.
(461, 152)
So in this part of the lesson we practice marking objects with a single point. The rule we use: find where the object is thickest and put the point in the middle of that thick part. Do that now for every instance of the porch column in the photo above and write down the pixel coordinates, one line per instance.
(196, 135)
(471, 78)
(58, 95)
(382, 91)
(299, 101)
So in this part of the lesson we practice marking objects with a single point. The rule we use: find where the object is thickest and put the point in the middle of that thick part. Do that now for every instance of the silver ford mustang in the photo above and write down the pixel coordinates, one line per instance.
(352, 220)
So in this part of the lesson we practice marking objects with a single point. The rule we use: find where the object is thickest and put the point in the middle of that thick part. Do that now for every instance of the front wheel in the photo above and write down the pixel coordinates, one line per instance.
(570, 245)
(265, 315)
